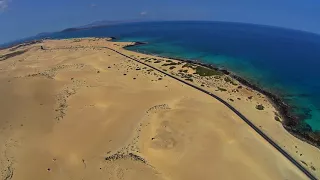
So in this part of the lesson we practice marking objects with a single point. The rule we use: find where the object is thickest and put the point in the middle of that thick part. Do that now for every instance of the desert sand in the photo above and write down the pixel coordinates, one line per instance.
(77, 110)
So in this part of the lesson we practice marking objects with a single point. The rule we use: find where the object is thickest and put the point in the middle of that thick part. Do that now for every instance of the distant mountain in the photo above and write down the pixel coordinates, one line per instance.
(71, 29)
(44, 34)
(100, 24)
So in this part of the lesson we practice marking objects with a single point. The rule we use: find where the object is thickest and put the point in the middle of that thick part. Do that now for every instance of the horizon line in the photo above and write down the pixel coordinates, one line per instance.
(150, 21)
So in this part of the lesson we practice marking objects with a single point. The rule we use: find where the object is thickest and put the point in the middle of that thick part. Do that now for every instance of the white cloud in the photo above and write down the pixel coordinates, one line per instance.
(3, 5)
(143, 13)
(93, 5)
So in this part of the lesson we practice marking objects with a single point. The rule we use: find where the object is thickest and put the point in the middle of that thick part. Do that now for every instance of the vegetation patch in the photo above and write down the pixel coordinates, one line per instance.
(203, 71)
(185, 75)
(120, 155)
(188, 65)
(172, 67)
(157, 61)
(221, 89)
(189, 79)
(170, 64)
(260, 107)
(229, 80)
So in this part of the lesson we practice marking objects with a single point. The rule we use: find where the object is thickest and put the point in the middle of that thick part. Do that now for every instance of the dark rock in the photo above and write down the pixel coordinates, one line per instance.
(225, 71)
(277, 118)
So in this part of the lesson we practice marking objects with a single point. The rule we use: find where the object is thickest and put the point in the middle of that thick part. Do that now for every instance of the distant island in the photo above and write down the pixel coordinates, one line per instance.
(100, 24)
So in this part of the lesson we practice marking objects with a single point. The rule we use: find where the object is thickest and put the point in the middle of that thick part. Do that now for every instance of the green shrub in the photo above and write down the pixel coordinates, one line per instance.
(203, 71)
(170, 64)
(188, 65)
(229, 80)
(260, 107)
(221, 89)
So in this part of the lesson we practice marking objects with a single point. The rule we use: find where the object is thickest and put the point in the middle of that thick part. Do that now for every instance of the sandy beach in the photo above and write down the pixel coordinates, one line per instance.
(76, 109)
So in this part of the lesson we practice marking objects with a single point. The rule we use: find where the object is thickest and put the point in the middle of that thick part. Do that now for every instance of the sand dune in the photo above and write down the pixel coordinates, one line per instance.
(79, 111)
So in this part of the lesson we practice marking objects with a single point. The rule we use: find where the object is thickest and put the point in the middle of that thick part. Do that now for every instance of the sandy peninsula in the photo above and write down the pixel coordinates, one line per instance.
(80, 109)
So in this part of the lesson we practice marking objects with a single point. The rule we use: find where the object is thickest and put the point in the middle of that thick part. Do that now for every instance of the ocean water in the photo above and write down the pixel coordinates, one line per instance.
(283, 61)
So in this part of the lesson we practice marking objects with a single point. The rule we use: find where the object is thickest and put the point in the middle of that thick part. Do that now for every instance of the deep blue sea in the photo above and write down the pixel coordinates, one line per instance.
(283, 61)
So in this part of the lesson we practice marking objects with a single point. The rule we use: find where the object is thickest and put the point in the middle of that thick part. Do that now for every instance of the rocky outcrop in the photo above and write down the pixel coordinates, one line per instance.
(136, 44)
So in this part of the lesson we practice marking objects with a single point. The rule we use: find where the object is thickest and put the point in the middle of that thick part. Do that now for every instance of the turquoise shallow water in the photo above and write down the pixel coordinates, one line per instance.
(294, 93)
(282, 61)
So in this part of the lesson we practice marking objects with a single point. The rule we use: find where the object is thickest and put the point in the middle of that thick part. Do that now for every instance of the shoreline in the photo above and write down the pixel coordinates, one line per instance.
(17, 45)
(93, 81)
(231, 107)
(289, 120)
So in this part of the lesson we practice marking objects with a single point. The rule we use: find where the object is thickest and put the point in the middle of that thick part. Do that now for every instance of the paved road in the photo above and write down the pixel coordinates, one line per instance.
(262, 134)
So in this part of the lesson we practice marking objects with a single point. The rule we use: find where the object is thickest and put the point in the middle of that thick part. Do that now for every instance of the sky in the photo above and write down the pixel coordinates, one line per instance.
(24, 18)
